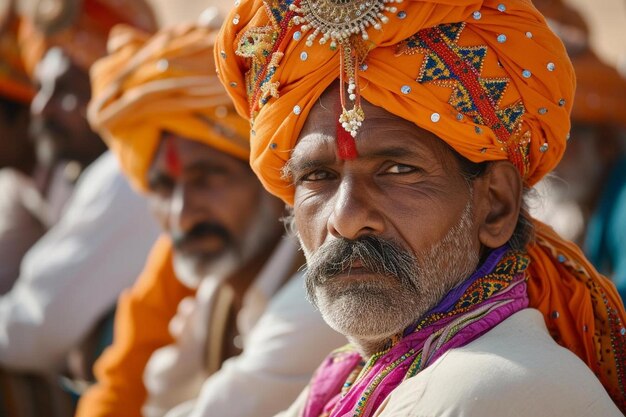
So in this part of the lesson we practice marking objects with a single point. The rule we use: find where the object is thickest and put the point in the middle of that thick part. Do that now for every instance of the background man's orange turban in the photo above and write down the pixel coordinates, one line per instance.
(164, 83)
(80, 27)
(487, 77)
(600, 91)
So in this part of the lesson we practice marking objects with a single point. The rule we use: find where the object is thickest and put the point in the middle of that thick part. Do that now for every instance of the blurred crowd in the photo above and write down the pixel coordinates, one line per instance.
(144, 270)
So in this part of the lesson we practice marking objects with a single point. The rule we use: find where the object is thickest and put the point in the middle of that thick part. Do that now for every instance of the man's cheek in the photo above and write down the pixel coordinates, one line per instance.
(159, 207)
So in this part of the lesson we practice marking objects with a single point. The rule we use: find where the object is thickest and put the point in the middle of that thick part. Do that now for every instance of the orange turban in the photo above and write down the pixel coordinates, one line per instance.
(14, 82)
(80, 27)
(487, 77)
(164, 83)
(600, 93)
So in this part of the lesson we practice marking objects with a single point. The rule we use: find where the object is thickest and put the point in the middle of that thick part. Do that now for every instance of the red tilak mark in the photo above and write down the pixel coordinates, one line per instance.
(346, 146)
(172, 159)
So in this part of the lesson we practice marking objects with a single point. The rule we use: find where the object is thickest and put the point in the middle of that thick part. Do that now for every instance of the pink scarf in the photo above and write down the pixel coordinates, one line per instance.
(345, 386)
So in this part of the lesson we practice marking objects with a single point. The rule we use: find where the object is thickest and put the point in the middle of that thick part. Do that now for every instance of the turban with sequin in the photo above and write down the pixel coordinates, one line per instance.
(80, 27)
(148, 85)
(14, 82)
(487, 77)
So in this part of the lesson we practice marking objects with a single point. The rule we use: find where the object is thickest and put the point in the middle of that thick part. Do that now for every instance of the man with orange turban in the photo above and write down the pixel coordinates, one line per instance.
(404, 135)
(95, 229)
(220, 284)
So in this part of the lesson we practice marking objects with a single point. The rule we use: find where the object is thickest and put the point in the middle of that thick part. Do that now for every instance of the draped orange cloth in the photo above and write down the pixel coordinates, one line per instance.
(141, 326)
(165, 83)
(14, 82)
(80, 27)
(487, 77)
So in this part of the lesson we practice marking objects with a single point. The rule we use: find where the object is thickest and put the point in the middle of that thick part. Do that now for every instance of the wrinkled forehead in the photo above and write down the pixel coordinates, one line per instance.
(382, 131)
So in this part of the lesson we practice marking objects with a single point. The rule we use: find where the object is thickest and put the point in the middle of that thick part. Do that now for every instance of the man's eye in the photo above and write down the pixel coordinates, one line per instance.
(318, 175)
(161, 186)
(400, 169)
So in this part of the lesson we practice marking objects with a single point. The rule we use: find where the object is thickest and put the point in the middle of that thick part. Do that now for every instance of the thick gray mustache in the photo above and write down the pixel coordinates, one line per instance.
(376, 255)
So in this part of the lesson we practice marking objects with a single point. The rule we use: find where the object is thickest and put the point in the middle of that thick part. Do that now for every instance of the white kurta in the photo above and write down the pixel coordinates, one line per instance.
(73, 275)
(514, 370)
(284, 339)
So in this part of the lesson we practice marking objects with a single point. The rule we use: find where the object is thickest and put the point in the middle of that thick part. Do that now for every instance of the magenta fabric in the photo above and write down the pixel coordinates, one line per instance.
(493, 293)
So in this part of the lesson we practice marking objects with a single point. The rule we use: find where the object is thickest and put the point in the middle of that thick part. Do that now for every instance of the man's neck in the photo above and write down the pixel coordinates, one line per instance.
(368, 347)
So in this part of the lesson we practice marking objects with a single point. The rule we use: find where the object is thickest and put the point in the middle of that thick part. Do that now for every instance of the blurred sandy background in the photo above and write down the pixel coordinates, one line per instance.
(606, 18)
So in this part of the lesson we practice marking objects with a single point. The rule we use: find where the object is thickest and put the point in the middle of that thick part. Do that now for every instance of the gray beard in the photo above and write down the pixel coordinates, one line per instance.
(192, 270)
(376, 310)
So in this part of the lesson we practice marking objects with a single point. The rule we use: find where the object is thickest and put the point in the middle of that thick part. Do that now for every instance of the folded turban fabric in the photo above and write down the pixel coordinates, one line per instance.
(148, 85)
(80, 27)
(487, 77)
(14, 82)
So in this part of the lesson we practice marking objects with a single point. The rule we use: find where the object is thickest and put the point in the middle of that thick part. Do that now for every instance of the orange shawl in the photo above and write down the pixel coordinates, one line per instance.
(487, 77)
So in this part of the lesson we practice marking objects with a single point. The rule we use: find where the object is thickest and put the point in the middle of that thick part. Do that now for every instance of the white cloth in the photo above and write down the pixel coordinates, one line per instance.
(73, 275)
(284, 339)
(514, 370)
(19, 227)
(25, 214)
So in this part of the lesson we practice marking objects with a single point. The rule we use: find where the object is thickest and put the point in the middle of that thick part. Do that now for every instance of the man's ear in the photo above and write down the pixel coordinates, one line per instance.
(498, 197)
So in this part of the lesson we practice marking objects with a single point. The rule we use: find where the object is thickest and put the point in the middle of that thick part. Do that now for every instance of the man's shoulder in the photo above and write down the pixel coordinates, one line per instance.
(516, 369)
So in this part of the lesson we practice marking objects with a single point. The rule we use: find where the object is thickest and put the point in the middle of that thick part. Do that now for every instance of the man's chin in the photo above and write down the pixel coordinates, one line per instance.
(366, 315)
(363, 327)
(192, 270)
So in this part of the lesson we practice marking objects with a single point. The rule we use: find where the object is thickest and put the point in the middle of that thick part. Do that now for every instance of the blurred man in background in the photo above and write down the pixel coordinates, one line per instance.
(218, 323)
(97, 231)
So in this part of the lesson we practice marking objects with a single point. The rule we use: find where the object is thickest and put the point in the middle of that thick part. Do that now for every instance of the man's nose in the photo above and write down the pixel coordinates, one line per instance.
(354, 212)
(184, 214)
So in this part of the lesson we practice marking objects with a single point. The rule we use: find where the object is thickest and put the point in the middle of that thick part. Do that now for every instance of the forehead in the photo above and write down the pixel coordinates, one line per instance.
(381, 131)
(188, 152)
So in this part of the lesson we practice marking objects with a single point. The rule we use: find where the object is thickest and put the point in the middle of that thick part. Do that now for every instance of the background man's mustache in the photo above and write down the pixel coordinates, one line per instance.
(200, 231)
(376, 255)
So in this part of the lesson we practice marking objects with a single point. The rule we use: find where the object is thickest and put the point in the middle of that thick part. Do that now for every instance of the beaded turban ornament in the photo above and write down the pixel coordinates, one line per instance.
(487, 77)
